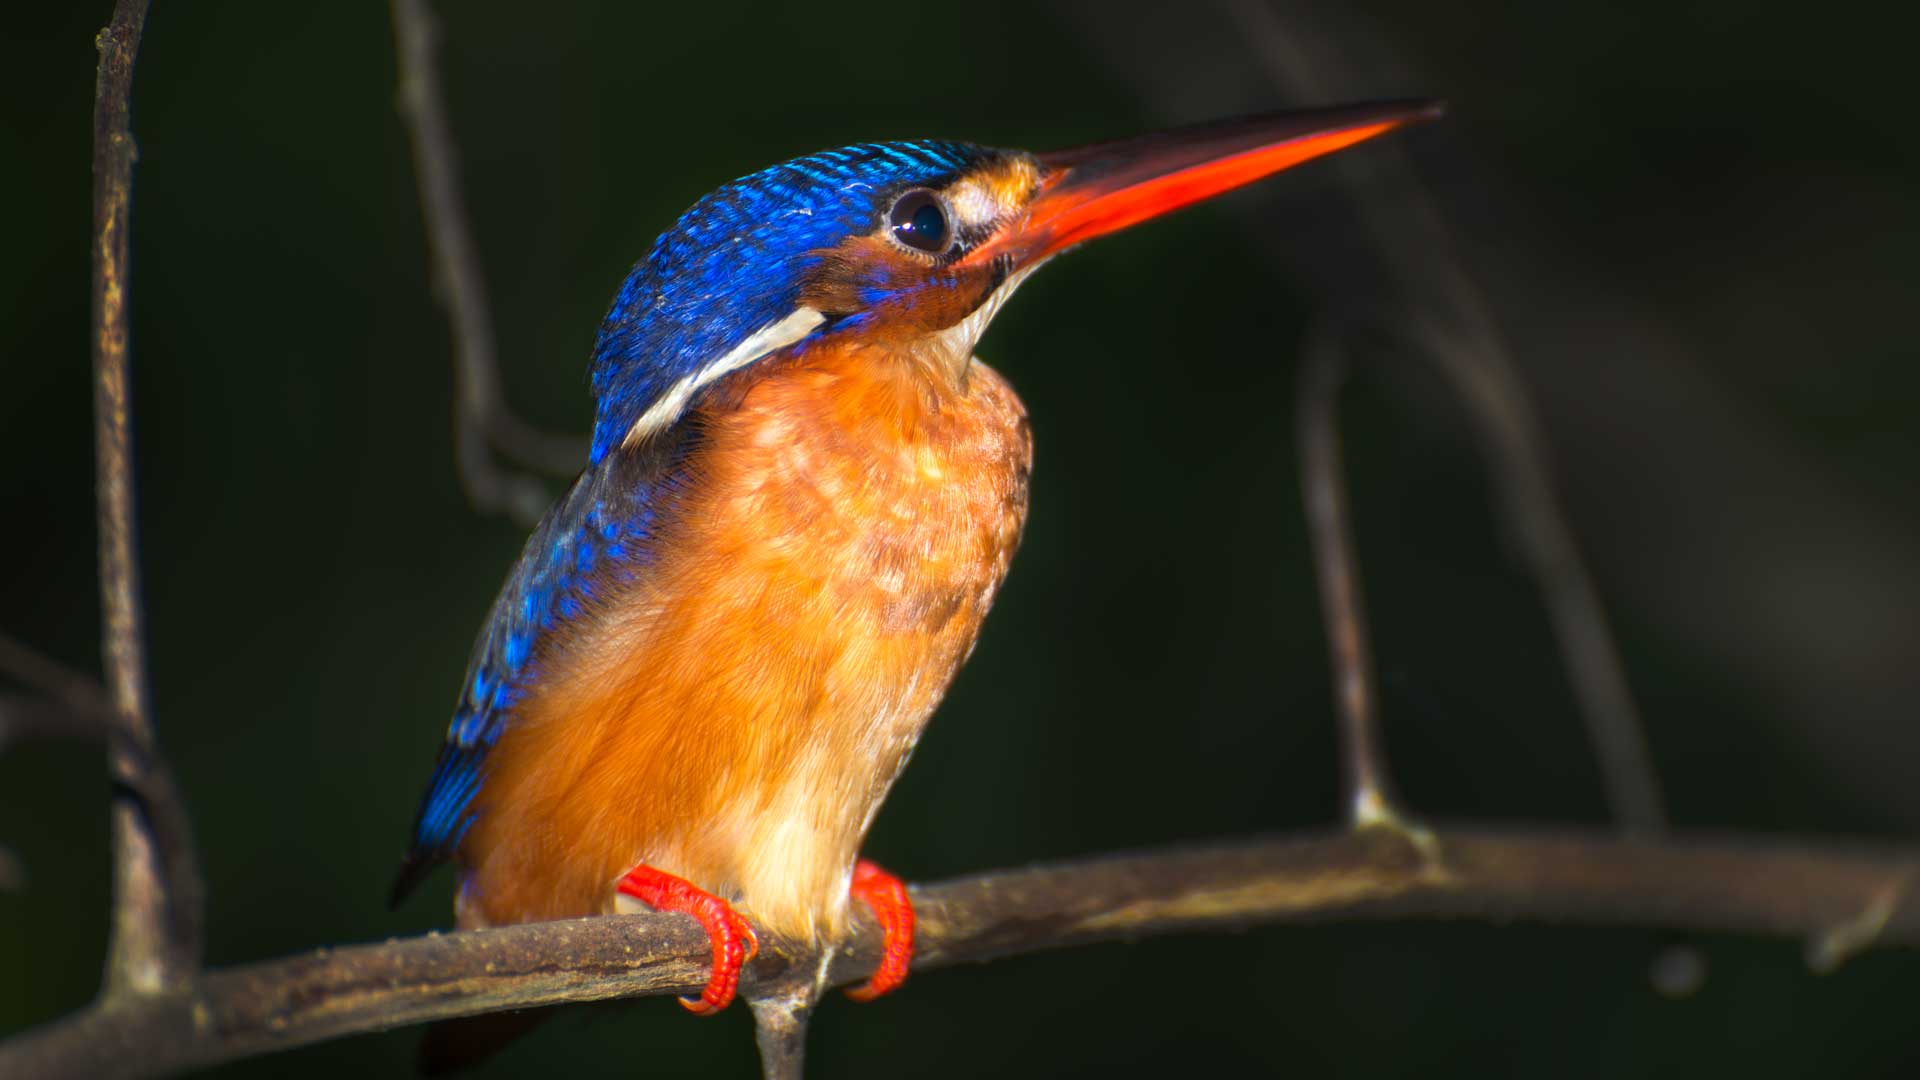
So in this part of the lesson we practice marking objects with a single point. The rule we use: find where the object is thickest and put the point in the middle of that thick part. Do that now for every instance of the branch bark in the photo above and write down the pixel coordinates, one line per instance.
(1369, 786)
(1842, 901)
(155, 937)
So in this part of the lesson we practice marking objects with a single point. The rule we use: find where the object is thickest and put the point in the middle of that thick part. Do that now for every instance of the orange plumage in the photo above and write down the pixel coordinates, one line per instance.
(718, 650)
(737, 718)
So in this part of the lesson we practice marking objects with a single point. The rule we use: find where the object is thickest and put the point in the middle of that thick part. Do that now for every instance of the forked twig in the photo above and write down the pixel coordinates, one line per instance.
(24, 717)
(482, 420)
(1462, 337)
(155, 938)
(76, 691)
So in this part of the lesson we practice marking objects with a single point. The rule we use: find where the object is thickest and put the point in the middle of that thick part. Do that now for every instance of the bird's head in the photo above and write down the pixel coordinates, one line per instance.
(913, 245)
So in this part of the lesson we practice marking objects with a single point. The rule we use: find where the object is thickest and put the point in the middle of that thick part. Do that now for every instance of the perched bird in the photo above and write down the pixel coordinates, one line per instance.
(718, 649)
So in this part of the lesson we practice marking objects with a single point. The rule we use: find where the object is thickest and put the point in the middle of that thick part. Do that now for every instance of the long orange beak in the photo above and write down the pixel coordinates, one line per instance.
(1093, 190)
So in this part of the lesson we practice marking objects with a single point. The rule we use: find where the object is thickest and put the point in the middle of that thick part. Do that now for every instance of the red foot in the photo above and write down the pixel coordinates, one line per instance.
(887, 896)
(734, 942)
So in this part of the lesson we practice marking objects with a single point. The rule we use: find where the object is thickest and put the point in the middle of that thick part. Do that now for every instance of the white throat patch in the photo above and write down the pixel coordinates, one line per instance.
(956, 343)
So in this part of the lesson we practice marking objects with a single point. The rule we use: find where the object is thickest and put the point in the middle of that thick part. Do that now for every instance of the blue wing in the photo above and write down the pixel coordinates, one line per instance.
(596, 537)
(730, 265)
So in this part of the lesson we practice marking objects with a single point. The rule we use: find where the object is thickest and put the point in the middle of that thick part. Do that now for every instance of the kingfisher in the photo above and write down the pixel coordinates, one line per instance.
(719, 646)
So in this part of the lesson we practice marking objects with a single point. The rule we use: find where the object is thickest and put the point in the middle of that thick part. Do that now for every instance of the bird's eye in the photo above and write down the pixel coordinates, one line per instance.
(920, 222)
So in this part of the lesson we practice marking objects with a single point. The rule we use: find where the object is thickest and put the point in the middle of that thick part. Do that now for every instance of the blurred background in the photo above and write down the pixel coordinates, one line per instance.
(1693, 222)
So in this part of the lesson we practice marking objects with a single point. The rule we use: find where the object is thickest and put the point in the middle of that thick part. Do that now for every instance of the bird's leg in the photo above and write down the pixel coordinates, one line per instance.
(887, 896)
(734, 942)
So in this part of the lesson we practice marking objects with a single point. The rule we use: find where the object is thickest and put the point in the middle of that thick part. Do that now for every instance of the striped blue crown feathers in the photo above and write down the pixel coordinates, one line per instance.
(732, 267)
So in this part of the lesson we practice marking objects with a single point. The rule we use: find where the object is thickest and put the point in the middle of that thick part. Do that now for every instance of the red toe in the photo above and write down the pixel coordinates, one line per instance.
(887, 896)
(734, 941)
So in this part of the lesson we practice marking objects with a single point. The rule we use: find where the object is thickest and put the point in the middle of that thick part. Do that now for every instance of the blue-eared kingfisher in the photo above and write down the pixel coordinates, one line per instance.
(719, 647)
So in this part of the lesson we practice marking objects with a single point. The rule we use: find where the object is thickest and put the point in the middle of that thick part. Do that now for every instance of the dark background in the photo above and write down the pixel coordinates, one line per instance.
(1694, 221)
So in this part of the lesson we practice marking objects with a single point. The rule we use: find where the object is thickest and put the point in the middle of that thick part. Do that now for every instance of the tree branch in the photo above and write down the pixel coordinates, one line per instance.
(32, 668)
(781, 1014)
(156, 924)
(24, 717)
(68, 704)
(1459, 333)
(1369, 787)
(1842, 901)
(481, 416)
(75, 707)
(1316, 53)
(71, 705)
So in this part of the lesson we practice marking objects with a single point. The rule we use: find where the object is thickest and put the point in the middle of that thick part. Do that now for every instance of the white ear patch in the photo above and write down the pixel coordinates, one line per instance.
(769, 338)
(985, 198)
(973, 204)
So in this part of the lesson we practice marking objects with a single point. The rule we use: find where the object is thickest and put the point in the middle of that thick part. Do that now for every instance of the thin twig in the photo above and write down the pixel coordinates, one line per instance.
(482, 419)
(1718, 884)
(1481, 371)
(1369, 788)
(71, 705)
(24, 717)
(67, 705)
(155, 938)
(36, 670)
(1303, 55)
(1464, 339)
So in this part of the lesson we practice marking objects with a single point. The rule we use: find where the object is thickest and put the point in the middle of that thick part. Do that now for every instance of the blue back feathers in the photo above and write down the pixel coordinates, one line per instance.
(732, 264)
(595, 538)
(736, 261)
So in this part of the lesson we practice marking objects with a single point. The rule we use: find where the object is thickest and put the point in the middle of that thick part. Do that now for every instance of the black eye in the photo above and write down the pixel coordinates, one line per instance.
(920, 222)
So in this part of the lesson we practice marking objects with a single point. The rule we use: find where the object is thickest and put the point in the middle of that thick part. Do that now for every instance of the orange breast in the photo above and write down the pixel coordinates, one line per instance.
(737, 715)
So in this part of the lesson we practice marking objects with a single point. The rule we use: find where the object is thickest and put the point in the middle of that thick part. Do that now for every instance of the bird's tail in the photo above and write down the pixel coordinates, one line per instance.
(413, 869)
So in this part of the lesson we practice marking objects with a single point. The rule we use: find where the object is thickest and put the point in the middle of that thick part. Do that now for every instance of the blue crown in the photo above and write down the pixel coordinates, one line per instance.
(735, 263)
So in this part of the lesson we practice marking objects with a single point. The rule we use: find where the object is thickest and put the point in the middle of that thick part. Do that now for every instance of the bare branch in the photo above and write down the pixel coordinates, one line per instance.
(1510, 439)
(1369, 787)
(1315, 54)
(156, 925)
(73, 706)
(34, 669)
(1697, 883)
(69, 704)
(76, 708)
(481, 416)
(1412, 237)
(24, 717)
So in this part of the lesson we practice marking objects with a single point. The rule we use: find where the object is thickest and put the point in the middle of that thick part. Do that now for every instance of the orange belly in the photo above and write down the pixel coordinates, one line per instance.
(736, 716)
